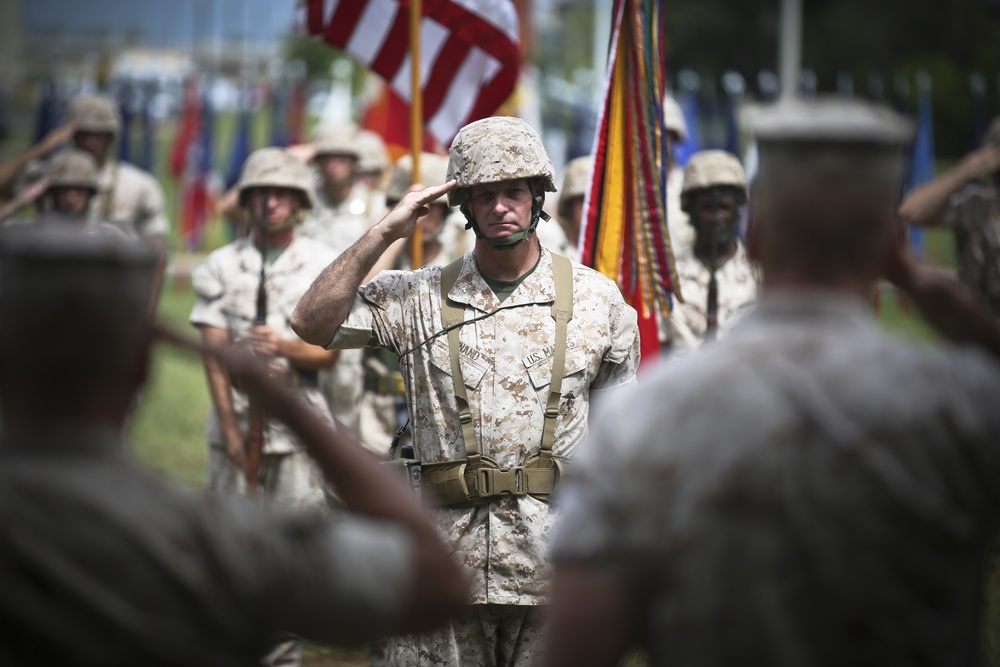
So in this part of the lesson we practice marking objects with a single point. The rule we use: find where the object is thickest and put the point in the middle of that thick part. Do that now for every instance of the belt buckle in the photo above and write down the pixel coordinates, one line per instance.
(512, 481)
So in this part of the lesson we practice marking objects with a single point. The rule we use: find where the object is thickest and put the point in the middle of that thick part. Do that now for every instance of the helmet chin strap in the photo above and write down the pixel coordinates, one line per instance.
(517, 238)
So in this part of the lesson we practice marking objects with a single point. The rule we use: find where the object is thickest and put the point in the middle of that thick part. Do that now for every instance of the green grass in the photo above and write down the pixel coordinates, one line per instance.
(168, 430)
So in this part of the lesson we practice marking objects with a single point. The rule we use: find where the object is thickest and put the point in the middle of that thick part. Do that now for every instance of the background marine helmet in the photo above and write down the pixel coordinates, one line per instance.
(336, 139)
(95, 112)
(73, 168)
(276, 168)
(373, 157)
(712, 169)
(673, 119)
(575, 182)
(433, 171)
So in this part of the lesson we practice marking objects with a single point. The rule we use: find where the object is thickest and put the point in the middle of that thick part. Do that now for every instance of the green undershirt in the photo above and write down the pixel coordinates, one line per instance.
(504, 288)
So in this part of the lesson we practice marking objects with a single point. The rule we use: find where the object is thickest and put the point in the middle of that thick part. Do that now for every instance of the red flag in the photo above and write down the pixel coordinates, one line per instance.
(625, 234)
(187, 129)
(469, 58)
(389, 116)
(196, 193)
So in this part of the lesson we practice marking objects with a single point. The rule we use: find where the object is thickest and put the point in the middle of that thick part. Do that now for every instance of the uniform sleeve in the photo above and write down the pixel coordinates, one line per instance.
(962, 206)
(352, 578)
(335, 581)
(208, 285)
(622, 358)
(376, 306)
(975, 426)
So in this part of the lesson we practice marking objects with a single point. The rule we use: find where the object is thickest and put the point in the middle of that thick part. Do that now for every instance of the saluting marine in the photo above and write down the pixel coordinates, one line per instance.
(127, 196)
(501, 352)
(816, 491)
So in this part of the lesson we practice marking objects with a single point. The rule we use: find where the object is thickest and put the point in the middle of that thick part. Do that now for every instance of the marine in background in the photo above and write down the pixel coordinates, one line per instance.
(716, 279)
(125, 195)
(810, 490)
(966, 199)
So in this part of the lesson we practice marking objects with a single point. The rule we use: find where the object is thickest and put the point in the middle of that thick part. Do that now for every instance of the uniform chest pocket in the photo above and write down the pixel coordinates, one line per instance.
(472, 365)
(539, 367)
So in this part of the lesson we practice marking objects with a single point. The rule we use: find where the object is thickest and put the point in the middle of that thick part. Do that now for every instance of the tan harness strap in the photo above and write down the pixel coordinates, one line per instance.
(451, 316)
(562, 313)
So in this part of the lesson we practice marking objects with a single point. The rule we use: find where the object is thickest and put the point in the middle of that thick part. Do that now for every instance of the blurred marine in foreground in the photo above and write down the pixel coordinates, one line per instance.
(820, 493)
(106, 564)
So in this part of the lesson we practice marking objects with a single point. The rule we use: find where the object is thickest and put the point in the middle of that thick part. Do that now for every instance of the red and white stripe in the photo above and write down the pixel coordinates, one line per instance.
(469, 52)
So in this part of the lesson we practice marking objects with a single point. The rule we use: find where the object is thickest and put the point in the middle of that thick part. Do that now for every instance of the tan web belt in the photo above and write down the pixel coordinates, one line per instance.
(477, 478)
(391, 384)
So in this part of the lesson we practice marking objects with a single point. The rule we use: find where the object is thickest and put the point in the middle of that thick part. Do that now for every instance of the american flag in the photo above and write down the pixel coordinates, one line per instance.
(470, 57)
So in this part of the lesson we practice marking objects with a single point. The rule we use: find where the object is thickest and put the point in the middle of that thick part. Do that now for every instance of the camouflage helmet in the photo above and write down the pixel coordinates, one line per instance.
(575, 182)
(373, 156)
(500, 148)
(433, 171)
(95, 112)
(276, 168)
(712, 169)
(673, 118)
(73, 168)
(336, 139)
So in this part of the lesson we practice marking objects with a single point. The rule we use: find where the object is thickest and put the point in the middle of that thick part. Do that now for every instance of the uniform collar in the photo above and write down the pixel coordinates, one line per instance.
(810, 306)
(290, 261)
(64, 440)
(471, 289)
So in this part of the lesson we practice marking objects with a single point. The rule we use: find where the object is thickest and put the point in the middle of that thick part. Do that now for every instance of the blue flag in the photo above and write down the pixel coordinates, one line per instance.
(239, 149)
(124, 98)
(47, 114)
(148, 158)
(691, 109)
(922, 164)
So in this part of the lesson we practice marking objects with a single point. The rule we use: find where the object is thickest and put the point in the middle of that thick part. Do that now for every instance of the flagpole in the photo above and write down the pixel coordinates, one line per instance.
(790, 47)
(416, 121)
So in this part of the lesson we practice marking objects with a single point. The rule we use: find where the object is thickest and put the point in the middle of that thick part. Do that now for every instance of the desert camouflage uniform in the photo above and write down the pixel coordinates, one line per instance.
(974, 215)
(506, 362)
(832, 508)
(340, 225)
(737, 283)
(226, 286)
(130, 198)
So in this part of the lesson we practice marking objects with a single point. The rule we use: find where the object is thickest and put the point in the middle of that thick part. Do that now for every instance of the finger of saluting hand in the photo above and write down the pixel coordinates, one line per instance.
(427, 195)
